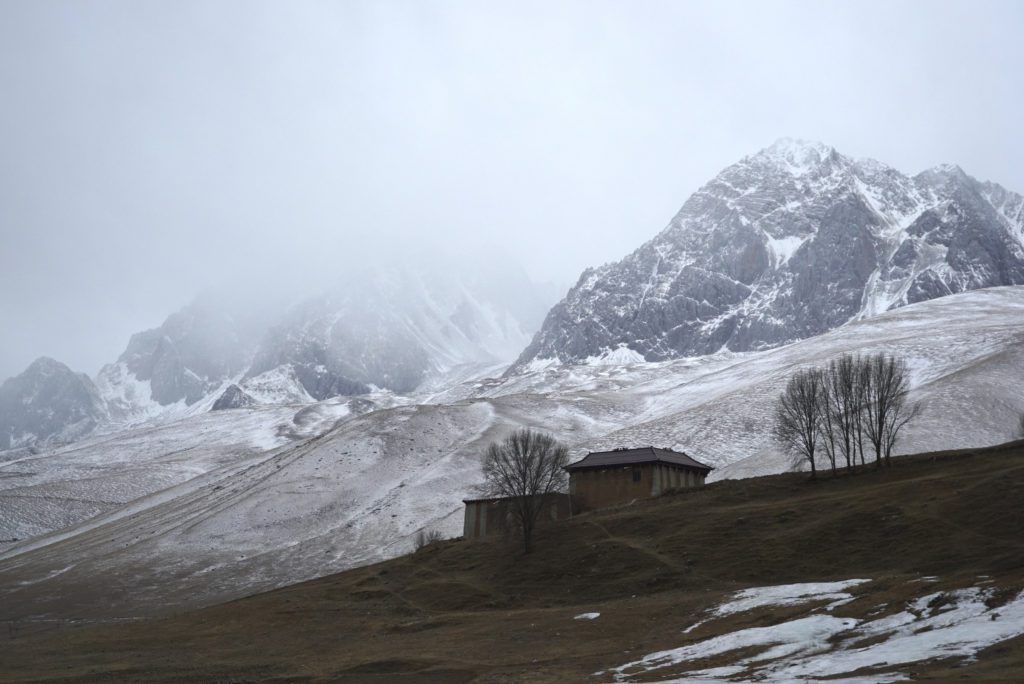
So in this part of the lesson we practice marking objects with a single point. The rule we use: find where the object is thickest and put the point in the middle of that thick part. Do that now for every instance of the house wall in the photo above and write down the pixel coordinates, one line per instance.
(495, 517)
(599, 488)
(471, 523)
(667, 477)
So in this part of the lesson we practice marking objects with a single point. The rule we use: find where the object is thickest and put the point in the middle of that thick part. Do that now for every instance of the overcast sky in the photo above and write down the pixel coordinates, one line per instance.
(151, 150)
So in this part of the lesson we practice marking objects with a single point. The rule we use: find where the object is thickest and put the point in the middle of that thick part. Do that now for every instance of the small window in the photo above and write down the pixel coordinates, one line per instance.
(636, 475)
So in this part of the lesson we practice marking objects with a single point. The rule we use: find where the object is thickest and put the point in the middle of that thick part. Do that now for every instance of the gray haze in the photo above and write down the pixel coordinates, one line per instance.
(150, 151)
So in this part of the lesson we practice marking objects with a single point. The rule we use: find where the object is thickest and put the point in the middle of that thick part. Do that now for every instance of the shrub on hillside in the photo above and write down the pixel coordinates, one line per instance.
(426, 538)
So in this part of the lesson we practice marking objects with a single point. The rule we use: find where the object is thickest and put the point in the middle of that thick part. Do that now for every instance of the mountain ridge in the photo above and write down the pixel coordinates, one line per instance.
(788, 243)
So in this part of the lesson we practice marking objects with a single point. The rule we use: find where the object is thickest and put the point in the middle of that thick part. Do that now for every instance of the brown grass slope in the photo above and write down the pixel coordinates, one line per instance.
(482, 612)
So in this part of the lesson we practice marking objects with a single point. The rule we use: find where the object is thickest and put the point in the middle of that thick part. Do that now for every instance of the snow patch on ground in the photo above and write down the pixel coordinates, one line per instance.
(789, 595)
(789, 640)
(821, 647)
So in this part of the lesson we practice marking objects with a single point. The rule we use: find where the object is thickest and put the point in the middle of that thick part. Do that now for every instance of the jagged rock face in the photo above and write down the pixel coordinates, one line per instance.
(233, 397)
(48, 403)
(786, 244)
(192, 356)
(189, 355)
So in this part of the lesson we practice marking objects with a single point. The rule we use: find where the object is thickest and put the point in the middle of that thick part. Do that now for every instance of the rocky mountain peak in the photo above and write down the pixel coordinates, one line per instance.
(944, 176)
(47, 403)
(45, 366)
(785, 244)
(797, 157)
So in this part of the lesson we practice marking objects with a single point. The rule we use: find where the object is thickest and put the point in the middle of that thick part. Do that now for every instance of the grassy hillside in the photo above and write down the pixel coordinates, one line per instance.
(463, 611)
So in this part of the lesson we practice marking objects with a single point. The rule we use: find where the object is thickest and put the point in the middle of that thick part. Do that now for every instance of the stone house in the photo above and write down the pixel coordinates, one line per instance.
(607, 478)
(600, 479)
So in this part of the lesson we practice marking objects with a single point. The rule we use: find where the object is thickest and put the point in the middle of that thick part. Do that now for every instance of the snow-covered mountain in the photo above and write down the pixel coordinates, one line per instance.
(786, 244)
(403, 327)
(222, 504)
(48, 401)
(172, 367)
(789, 243)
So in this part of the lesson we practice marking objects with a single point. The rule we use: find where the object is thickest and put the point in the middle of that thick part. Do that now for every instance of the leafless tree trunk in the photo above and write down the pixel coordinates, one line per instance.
(798, 416)
(841, 391)
(825, 421)
(886, 411)
(862, 383)
(526, 467)
(902, 413)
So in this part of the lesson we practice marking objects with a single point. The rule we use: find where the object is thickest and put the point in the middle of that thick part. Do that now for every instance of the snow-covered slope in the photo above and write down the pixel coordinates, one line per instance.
(786, 244)
(50, 490)
(357, 490)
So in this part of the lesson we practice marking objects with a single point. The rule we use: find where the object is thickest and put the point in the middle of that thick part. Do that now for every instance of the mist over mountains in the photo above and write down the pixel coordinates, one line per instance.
(786, 244)
(396, 328)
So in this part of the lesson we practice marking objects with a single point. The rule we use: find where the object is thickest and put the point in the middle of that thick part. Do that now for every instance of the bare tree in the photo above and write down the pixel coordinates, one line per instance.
(798, 416)
(1020, 428)
(901, 414)
(862, 382)
(425, 537)
(885, 403)
(826, 424)
(526, 467)
(844, 406)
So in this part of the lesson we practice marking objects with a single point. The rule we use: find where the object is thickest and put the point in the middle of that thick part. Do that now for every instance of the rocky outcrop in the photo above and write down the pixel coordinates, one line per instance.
(234, 397)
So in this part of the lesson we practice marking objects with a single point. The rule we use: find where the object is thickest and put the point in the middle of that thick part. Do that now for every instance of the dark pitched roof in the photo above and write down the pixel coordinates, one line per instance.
(628, 457)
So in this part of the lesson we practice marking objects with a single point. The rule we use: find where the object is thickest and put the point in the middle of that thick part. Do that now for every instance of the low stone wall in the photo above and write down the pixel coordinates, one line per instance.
(485, 517)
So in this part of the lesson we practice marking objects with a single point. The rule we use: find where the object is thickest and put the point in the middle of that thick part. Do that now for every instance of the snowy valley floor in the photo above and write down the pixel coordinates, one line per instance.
(913, 573)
